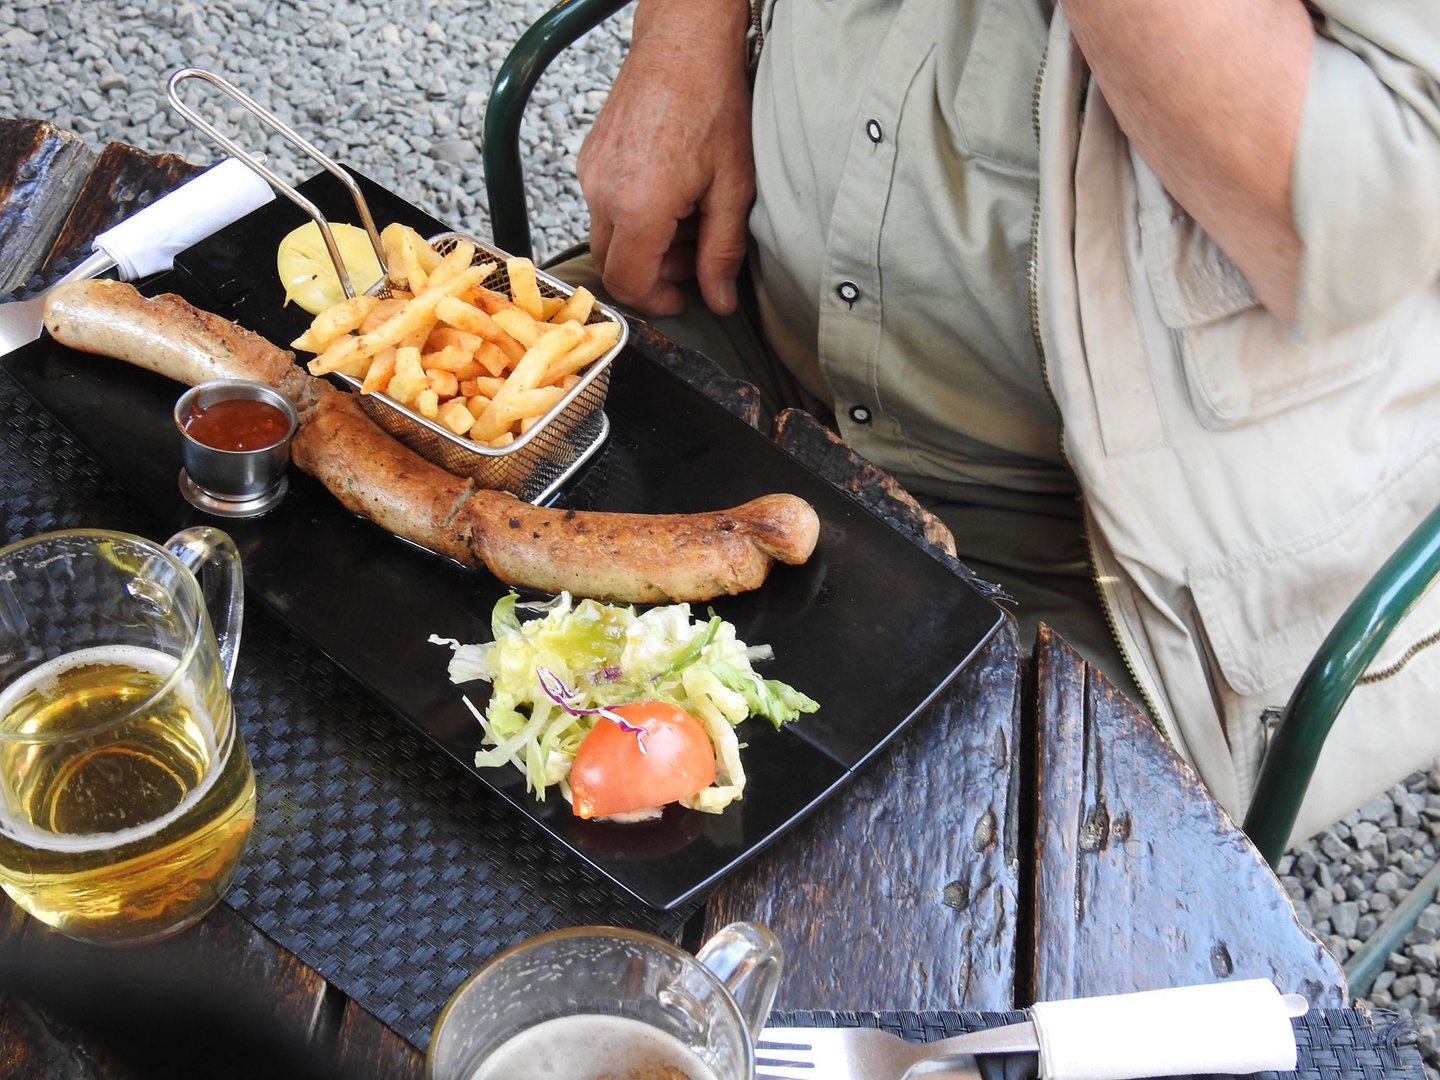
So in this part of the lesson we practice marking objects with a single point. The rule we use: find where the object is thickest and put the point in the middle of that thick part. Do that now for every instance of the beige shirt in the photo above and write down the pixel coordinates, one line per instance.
(892, 230)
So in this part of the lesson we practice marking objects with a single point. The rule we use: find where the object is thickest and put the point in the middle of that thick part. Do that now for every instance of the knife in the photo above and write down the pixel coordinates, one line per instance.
(147, 242)
(1201, 1046)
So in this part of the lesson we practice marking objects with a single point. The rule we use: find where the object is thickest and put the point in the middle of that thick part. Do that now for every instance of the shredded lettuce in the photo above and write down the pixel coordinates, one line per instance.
(609, 655)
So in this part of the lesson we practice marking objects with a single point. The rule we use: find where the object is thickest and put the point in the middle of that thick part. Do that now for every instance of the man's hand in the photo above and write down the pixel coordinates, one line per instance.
(667, 169)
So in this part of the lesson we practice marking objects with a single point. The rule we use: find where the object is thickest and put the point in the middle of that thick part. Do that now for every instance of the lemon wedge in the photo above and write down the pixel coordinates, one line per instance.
(309, 275)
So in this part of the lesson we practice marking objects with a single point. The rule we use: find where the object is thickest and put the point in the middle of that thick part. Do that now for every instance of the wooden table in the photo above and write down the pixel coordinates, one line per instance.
(1031, 837)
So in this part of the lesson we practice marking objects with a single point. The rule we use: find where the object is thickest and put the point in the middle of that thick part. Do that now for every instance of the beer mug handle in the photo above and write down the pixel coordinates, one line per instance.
(213, 558)
(746, 957)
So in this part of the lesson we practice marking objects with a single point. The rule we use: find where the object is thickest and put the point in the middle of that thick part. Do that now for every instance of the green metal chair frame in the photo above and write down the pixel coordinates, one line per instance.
(1329, 680)
(563, 24)
(1314, 705)
(1334, 671)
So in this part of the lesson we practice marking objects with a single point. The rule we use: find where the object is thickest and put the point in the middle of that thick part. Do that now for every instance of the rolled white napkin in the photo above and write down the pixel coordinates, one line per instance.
(147, 241)
(1237, 1028)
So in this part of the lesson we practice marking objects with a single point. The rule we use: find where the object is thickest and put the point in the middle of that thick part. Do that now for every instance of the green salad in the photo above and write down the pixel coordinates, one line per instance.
(557, 673)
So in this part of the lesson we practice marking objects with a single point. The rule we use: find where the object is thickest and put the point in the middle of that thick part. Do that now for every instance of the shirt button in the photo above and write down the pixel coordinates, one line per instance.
(873, 129)
(848, 291)
(860, 414)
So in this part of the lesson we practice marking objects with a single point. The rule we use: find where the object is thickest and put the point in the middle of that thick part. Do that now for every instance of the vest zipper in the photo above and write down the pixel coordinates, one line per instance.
(755, 36)
(1391, 670)
(1033, 303)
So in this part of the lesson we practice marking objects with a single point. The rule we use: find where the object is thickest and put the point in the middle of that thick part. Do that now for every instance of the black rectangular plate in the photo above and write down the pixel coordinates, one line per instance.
(872, 627)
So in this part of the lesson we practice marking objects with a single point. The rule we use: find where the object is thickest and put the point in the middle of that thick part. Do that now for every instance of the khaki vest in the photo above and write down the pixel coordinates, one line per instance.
(1241, 486)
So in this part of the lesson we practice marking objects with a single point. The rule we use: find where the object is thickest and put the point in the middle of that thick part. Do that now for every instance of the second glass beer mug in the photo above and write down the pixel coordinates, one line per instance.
(603, 1001)
(126, 794)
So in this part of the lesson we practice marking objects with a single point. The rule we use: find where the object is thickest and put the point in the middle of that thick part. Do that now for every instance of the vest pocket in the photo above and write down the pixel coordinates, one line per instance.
(1239, 363)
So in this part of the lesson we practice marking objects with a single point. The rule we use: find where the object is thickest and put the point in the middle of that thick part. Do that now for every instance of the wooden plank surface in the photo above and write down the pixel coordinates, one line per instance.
(367, 1048)
(41, 170)
(1141, 880)
(903, 894)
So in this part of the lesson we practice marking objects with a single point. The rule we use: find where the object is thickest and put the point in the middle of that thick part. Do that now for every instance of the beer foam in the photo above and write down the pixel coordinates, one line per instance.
(587, 1047)
(44, 678)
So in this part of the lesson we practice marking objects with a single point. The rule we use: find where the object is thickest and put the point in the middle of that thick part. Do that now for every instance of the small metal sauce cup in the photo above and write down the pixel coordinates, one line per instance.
(233, 483)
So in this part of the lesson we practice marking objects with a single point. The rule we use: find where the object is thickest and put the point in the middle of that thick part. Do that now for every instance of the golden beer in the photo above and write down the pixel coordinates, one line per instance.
(125, 801)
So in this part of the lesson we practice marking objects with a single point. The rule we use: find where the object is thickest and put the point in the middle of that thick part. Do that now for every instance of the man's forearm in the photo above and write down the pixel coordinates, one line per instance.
(1211, 93)
(714, 21)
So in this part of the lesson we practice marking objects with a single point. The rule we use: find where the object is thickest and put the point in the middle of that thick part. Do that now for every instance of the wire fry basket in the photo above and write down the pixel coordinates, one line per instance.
(556, 445)
(535, 465)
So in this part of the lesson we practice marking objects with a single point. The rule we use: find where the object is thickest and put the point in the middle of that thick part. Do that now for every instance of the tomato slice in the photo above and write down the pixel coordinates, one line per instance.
(612, 775)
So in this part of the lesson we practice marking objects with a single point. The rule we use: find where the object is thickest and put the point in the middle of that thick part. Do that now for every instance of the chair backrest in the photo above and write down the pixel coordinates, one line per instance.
(500, 142)
(1327, 683)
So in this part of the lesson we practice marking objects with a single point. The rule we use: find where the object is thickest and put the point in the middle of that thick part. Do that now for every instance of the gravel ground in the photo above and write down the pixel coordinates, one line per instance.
(397, 90)
(1348, 880)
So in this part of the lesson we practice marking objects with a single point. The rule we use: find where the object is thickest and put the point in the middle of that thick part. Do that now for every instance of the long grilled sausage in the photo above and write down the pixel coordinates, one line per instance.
(170, 336)
(637, 558)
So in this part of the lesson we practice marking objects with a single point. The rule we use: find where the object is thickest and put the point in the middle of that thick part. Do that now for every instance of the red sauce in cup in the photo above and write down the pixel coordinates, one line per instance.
(237, 424)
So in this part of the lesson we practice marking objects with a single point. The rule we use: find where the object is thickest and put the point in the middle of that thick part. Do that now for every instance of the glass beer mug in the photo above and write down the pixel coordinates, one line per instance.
(597, 1001)
(126, 795)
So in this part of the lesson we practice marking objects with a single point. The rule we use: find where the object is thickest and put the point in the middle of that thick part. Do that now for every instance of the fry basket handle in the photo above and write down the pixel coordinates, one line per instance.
(270, 120)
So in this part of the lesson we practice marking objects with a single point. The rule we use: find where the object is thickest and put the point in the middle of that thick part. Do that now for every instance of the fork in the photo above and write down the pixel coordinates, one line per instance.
(1180, 1020)
(857, 1053)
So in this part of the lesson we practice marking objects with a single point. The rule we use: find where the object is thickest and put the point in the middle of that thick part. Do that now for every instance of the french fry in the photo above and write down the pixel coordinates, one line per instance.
(443, 337)
(418, 315)
(456, 416)
(336, 321)
(468, 318)
(524, 289)
(382, 367)
(382, 311)
(337, 355)
(427, 403)
(411, 274)
(459, 257)
(392, 239)
(577, 308)
(489, 386)
(597, 339)
(519, 325)
(492, 359)
(355, 367)
(443, 383)
(409, 378)
(407, 255)
(551, 306)
(530, 371)
(490, 301)
(500, 414)
(470, 370)
(508, 410)
(451, 357)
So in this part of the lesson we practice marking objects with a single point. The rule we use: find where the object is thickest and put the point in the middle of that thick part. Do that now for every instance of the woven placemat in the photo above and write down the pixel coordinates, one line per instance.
(1332, 1044)
(377, 861)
